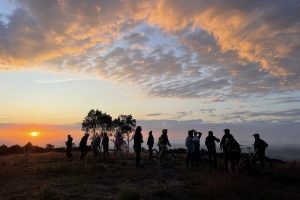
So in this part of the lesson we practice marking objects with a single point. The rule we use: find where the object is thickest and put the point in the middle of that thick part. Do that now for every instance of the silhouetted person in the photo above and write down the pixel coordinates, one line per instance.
(95, 145)
(260, 148)
(105, 144)
(150, 143)
(137, 145)
(234, 153)
(163, 142)
(69, 144)
(83, 146)
(118, 143)
(190, 148)
(196, 139)
(211, 148)
(27, 150)
(223, 147)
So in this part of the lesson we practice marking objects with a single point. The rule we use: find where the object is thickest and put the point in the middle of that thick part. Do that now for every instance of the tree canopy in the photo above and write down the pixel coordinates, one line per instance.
(97, 122)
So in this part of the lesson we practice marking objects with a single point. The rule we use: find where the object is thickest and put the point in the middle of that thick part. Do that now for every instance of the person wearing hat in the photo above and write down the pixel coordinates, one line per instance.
(260, 148)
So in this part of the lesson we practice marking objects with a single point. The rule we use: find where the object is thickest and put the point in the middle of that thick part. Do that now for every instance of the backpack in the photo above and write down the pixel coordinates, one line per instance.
(159, 141)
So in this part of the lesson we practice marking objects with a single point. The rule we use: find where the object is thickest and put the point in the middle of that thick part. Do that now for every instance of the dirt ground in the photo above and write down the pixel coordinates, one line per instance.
(52, 176)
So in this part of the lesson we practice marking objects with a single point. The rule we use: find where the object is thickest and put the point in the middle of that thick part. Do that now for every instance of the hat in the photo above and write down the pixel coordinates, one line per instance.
(226, 130)
(164, 130)
(256, 135)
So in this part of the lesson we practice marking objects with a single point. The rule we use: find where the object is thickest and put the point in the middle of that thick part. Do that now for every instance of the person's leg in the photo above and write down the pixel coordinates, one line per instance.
(139, 158)
(68, 153)
(210, 157)
(82, 155)
(150, 152)
(214, 155)
(193, 159)
(188, 159)
(226, 155)
(105, 151)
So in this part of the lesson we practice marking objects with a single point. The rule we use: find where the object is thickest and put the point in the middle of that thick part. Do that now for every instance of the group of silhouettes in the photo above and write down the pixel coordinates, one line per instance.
(228, 145)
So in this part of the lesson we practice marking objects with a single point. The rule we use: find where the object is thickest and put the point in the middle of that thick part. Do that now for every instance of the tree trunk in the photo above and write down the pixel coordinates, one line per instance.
(127, 144)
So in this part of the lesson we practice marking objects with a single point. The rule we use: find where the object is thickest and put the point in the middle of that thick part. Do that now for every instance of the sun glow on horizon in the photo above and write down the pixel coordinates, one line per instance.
(34, 133)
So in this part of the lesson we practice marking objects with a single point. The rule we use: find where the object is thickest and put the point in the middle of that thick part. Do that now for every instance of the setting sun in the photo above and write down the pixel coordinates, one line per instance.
(34, 133)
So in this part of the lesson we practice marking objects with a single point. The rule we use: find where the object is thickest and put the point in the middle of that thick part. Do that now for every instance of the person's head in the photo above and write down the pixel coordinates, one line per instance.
(190, 133)
(86, 135)
(138, 129)
(164, 131)
(69, 136)
(150, 133)
(226, 131)
(210, 133)
(105, 134)
(119, 133)
(256, 135)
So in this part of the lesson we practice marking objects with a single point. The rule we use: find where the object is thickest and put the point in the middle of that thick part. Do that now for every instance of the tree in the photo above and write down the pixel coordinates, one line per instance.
(97, 122)
(89, 122)
(126, 125)
(49, 147)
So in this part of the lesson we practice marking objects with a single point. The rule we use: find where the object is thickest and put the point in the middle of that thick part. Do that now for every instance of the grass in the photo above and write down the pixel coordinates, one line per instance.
(52, 176)
(49, 193)
(128, 194)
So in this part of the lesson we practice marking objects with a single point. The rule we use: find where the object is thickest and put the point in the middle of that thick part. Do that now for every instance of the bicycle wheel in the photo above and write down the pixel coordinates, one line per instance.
(168, 160)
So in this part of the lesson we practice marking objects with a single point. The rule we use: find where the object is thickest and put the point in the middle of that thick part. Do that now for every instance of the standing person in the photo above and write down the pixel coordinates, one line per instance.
(137, 145)
(196, 139)
(69, 144)
(260, 148)
(190, 148)
(105, 144)
(211, 148)
(118, 144)
(150, 143)
(223, 147)
(83, 146)
(27, 150)
(163, 142)
(234, 154)
(95, 145)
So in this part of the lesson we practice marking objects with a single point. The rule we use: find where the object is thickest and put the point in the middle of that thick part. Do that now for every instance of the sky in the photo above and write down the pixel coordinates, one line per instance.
(207, 65)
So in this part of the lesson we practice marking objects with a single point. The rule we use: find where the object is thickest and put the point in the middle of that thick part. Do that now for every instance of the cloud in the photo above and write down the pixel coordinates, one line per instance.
(169, 48)
(292, 115)
(209, 110)
(154, 114)
(44, 81)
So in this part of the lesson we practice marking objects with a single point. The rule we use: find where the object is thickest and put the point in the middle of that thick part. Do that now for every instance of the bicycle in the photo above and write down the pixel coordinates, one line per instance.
(164, 157)
(253, 164)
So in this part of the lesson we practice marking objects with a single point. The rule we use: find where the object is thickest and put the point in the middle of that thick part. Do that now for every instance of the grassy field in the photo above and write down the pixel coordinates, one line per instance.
(52, 176)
